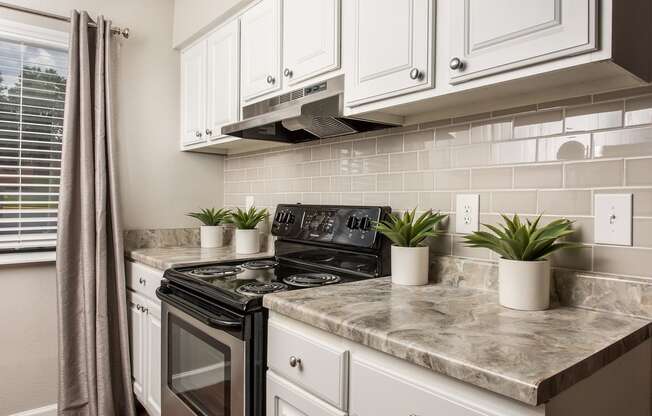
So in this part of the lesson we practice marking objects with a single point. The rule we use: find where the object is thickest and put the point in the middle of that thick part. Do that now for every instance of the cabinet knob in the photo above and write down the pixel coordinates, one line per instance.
(416, 74)
(139, 307)
(142, 281)
(209, 132)
(270, 79)
(456, 63)
(198, 134)
(287, 72)
(294, 361)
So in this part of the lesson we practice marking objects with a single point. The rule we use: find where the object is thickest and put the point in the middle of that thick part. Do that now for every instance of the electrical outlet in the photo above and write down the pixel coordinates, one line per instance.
(613, 219)
(467, 213)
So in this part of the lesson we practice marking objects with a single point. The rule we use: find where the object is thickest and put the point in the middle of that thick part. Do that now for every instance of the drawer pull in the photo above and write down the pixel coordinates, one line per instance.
(142, 281)
(294, 361)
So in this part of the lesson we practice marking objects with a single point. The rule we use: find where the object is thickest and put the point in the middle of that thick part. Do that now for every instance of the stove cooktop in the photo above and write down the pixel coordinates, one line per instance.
(242, 285)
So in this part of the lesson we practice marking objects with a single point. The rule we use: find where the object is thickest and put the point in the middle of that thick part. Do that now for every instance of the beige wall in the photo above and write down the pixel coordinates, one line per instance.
(159, 184)
(28, 350)
(193, 17)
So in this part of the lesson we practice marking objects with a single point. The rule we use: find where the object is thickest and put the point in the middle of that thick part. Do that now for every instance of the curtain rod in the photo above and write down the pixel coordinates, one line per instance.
(124, 32)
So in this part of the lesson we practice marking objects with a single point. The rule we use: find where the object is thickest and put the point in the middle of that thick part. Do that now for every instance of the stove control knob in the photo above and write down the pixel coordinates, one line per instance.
(365, 223)
(352, 223)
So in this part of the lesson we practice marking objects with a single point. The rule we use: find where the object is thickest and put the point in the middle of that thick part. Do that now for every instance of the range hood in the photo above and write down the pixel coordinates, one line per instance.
(305, 114)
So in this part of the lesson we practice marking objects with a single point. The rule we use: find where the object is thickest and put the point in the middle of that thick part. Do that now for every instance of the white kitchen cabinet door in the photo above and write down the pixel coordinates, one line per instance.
(488, 37)
(286, 399)
(392, 51)
(136, 320)
(261, 49)
(311, 38)
(153, 358)
(193, 94)
(375, 392)
(223, 78)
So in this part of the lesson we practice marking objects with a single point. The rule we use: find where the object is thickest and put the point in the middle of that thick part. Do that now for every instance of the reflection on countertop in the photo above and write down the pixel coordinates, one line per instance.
(165, 257)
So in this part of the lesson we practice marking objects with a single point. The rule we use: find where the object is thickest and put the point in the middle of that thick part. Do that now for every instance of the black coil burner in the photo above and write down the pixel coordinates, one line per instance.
(260, 264)
(311, 279)
(261, 288)
(210, 272)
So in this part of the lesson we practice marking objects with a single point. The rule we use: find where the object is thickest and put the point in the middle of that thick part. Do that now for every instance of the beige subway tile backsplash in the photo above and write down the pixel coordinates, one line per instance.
(543, 123)
(638, 111)
(400, 162)
(390, 182)
(419, 140)
(390, 144)
(623, 143)
(565, 202)
(572, 147)
(492, 178)
(514, 202)
(638, 172)
(594, 117)
(551, 161)
(594, 174)
(538, 176)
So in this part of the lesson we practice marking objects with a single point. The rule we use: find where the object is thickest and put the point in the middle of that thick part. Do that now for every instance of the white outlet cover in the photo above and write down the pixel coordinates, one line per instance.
(613, 219)
(467, 213)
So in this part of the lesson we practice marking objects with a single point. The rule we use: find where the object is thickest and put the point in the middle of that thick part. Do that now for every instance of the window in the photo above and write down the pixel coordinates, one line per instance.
(32, 90)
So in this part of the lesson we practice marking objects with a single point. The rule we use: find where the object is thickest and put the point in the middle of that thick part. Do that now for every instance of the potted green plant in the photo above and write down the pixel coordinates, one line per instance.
(247, 238)
(409, 254)
(212, 230)
(523, 267)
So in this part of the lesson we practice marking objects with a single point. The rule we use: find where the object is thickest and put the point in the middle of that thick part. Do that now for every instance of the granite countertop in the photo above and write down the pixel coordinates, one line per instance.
(465, 334)
(166, 257)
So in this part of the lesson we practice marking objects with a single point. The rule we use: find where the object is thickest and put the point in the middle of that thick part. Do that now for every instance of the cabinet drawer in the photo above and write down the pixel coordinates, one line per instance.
(375, 392)
(143, 279)
(322, 369)
(286, 399)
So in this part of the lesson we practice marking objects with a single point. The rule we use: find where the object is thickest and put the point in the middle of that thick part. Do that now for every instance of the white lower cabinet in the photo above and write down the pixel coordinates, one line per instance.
(153, 359)
(136, 340)
(376, 392)
(286, 399)
(144, 315)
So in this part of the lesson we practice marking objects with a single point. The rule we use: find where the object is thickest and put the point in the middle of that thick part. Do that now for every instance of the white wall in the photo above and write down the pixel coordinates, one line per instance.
(193, 17)
(159, 185)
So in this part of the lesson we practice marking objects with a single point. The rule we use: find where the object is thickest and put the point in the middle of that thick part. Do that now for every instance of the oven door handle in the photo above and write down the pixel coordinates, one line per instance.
(210, 319)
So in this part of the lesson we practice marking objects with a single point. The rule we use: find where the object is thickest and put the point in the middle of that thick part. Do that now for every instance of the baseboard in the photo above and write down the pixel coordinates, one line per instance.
(49, 410)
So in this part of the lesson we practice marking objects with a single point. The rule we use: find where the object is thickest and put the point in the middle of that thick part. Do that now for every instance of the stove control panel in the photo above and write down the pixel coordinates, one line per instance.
(342, 225)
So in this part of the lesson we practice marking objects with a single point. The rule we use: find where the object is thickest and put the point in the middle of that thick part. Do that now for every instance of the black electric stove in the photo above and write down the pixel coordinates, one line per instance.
(218, 306)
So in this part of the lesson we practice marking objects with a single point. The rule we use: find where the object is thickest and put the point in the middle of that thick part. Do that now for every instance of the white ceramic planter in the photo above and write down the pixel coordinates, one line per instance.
(524, 285)
(409, 265)
(211, 236)
(247, 241)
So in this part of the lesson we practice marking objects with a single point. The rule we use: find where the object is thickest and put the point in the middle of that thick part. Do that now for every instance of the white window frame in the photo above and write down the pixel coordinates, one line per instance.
(41, 36)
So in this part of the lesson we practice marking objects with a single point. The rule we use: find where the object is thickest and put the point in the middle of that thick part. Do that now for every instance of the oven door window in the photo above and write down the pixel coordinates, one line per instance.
(199, 369)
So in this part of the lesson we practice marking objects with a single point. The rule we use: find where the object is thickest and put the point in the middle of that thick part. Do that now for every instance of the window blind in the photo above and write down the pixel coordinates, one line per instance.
(32, 91)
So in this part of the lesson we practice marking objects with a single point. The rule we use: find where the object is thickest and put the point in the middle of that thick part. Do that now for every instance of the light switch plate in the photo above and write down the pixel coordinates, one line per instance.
(467, 213)
(613, 219)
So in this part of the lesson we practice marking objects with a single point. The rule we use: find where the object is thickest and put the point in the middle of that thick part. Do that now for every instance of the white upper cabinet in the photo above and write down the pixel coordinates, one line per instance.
(223, 98)
(499, 35)
(261, 49)
(311, 38)
(392, 49)
(193, 94)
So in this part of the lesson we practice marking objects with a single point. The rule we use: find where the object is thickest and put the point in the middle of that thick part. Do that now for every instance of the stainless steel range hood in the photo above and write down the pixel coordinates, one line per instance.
(309, 113)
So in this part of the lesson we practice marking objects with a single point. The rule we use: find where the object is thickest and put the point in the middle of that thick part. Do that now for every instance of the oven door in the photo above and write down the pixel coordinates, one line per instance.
(203, 364)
